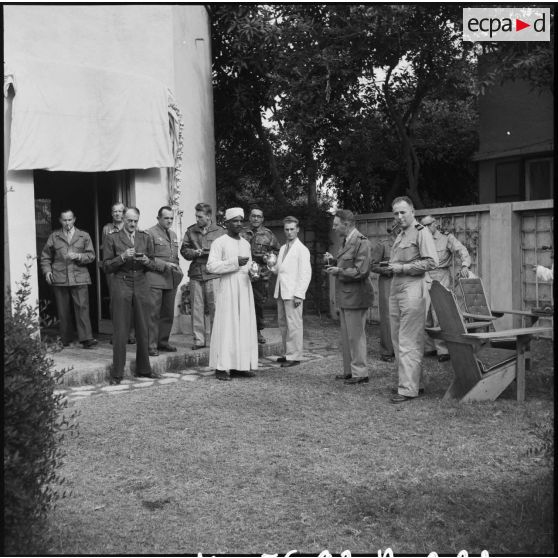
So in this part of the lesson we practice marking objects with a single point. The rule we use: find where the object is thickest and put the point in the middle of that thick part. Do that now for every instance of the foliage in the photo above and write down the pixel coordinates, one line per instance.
(34, 426)
(321, 101)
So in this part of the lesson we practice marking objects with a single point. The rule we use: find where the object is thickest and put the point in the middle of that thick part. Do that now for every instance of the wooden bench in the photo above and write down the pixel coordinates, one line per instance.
(473, 381)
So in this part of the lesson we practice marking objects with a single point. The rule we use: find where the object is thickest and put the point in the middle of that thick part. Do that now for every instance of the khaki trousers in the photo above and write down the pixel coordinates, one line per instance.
(353, 341)
(407, 313)
(442, 275)
(290, 325)
(202, 304)
(384, 286)
(161, 316)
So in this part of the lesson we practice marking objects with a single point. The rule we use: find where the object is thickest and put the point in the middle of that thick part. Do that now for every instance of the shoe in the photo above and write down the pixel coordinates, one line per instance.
(386, 358)
(289, 363)
(395, 392)
(400, 399)
(443, 358)
(261, 338)
(223, 375)
(342, 377)
(352, 381)
(131, 341)
(65, 344)
(167, 347)
(430, 353)
(196, 347)
(281, 359)
(115, 381)
(153, 375)
(89, 343)
(153, 352)
(242, 373)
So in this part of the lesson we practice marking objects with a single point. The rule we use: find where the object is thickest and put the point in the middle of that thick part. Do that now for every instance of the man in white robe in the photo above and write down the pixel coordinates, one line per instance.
(234, 339)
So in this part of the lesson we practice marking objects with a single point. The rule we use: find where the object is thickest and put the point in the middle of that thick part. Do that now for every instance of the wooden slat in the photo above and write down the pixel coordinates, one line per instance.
(530, 331)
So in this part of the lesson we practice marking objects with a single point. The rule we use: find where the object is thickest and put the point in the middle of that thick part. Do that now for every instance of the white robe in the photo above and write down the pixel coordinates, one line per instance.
(234, 339)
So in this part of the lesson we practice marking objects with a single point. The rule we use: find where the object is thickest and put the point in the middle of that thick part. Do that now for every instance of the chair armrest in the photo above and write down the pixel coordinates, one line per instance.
(516, 312)
(519, 332)
(461, 338)
(479, 317)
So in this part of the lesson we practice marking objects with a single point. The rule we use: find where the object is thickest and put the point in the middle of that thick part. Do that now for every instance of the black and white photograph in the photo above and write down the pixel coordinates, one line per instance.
(278, 279)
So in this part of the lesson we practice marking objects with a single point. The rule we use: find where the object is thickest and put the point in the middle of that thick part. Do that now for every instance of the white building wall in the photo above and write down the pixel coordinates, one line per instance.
(164, 42)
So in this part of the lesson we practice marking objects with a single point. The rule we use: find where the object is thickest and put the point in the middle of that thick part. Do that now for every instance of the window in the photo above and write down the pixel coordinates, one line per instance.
(508, 182)
(539, 179)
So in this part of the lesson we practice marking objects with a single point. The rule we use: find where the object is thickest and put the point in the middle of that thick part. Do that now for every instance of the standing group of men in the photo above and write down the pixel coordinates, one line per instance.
(420, 253)
(229, 279)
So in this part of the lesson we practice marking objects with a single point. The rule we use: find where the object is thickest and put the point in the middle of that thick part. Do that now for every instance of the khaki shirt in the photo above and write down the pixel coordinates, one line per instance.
(446, 246)
(195, 239)
(414, 248)
(262, 241)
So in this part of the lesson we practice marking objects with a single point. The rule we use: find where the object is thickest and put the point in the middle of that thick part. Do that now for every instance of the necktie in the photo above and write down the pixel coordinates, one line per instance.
(69, 236)
(132, 237)
(344, 242)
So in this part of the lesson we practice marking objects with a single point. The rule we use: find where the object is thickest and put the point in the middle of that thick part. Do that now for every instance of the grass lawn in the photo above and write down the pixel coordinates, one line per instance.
(293, 459)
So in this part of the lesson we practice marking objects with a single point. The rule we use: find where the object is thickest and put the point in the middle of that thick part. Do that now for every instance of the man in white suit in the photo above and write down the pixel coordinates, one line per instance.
(293, 272)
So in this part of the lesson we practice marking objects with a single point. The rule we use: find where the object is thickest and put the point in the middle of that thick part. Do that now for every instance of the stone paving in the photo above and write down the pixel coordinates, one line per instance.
(314, 350)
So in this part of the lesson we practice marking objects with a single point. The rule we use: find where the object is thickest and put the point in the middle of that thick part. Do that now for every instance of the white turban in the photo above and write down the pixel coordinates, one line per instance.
(233, 212)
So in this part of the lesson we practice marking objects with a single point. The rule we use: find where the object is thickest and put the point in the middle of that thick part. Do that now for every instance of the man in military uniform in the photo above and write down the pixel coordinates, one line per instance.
(163, 285)
(446, 246)
(195, 248)
(379, 261)
(64, 258)
(127, 254)
(117, 212)
(413, 254)
(353, 295)
(262, 242)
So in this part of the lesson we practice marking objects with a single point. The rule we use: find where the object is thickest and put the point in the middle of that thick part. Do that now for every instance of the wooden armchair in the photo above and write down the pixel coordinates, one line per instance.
(472, 380)
(477, 308)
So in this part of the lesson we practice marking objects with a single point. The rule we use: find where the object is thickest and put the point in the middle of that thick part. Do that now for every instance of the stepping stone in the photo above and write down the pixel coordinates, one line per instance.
(142, 379)
(185, 372)
(167, 381)
(143, 384)
(83, 388)
(78, 397)
(207, 369)
(190, 378)
(113, 389)
(171, 375)
(81, 394)
(207, 373)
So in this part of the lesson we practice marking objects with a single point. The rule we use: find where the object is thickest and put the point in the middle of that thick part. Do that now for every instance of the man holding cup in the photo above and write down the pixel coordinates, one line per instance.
(64, 261)
(128, 254)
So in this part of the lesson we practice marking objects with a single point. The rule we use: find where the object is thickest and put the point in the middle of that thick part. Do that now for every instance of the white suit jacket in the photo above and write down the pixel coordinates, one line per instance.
(294, 272)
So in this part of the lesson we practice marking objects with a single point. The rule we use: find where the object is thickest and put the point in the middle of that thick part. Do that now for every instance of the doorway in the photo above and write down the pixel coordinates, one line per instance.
(90, 196)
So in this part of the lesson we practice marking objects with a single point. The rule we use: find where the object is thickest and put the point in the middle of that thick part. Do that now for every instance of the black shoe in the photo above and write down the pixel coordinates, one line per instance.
(243, 373)
(289, 363)
(386, 358)
(430, 353)
(89, 343)
(196, 347)
(395, 392)
(115, 381)
(131, 341)
(168, 348)
(443, 358)
(400, 399)
(153, 352)
(223, 375)
(281, 359)
(352, 381)
(152, 375)
(342, 377)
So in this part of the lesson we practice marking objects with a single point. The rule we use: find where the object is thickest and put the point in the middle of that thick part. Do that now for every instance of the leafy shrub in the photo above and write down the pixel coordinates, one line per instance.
(35, 422)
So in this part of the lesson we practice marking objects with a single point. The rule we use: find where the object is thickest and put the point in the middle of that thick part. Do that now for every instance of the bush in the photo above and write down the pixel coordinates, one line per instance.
(35, 422)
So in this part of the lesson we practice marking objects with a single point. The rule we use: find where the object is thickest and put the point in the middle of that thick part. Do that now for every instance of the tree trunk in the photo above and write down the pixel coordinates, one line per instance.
(272, 163)
(312, 175)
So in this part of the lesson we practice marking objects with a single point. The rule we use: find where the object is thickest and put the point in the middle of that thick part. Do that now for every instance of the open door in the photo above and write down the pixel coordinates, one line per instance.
(90, 196)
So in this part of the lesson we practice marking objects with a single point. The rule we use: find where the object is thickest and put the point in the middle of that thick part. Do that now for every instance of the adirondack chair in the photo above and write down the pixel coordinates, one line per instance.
(477, 308)
(473, 381)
